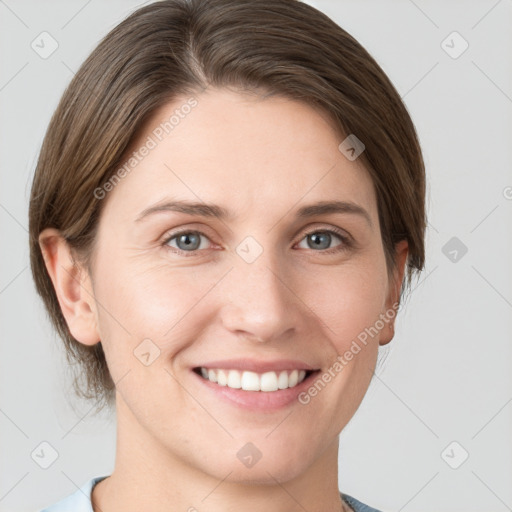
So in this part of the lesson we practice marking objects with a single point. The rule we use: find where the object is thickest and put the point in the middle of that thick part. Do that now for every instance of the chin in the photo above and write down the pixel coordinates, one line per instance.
(262, 473)
(262, 466)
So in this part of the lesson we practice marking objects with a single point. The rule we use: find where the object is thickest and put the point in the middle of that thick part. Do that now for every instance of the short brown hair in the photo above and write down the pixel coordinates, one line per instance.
(175, 47)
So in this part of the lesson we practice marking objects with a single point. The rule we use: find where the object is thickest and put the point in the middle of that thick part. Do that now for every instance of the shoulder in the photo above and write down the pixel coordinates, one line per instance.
(79, 501)
(356, 505)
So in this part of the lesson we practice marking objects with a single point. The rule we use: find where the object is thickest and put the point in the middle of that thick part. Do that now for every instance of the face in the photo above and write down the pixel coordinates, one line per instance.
(268, 287)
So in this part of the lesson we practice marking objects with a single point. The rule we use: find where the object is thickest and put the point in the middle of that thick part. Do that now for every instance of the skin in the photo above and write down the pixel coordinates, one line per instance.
(262, 158)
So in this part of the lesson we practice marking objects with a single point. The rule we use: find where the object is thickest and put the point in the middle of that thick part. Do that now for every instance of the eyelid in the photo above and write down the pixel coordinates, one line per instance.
(329, 229)
(171, 233)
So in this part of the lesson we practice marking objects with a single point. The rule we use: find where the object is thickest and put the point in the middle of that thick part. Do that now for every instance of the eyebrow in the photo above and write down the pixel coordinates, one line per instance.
(215, 211)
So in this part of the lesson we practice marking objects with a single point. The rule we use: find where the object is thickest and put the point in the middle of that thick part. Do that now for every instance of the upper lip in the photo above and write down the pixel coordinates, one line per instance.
(258, 366)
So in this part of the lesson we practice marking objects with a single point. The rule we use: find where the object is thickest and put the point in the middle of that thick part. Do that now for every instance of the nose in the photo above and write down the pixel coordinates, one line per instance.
(259, 302)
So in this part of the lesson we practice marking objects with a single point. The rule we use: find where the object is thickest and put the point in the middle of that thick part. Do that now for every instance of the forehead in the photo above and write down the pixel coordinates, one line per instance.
(242, 151)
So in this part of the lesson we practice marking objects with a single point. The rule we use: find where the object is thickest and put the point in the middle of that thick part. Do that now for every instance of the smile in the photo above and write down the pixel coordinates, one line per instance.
(251, 381)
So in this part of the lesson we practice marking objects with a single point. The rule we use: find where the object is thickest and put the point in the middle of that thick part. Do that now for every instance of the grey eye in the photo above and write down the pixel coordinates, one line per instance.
(320, 239)
(187, 241)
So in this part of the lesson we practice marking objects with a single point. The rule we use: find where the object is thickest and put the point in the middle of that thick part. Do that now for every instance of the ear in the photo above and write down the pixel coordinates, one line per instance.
(393, 297)
(72, 286)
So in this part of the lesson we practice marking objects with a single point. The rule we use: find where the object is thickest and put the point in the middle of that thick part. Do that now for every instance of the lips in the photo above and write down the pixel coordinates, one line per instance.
(264, 400)
(255, 384)
(254, 375)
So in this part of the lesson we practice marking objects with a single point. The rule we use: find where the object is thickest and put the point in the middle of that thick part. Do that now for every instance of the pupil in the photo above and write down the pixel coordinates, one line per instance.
(186, 239)
(317, 241)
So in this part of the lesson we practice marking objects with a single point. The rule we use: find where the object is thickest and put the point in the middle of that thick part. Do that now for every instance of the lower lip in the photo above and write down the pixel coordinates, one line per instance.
(263, 401)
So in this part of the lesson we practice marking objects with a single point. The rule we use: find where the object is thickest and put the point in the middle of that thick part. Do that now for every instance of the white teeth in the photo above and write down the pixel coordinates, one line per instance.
(222, 378)
(269, 382)
(252, 381)
(234, 380)
(282, 381)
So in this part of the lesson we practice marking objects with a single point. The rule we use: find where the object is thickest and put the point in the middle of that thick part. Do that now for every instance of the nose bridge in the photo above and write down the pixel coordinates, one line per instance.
(258, 300)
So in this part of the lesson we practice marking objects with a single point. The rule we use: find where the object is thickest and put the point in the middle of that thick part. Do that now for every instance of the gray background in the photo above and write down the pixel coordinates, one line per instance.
(446, 375)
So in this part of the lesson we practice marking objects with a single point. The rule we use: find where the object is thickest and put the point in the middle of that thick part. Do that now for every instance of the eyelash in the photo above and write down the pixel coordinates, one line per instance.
(344, 246)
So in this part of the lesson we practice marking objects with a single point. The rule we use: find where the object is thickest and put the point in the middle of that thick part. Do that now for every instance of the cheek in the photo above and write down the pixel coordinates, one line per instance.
(137, 302)
(347, 299)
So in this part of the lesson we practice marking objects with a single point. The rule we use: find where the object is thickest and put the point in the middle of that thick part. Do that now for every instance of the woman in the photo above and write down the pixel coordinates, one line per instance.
(228, 206)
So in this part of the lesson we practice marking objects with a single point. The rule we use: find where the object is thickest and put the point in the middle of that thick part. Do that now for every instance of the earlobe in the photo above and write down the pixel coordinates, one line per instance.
(393, 298)
(72, 287)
